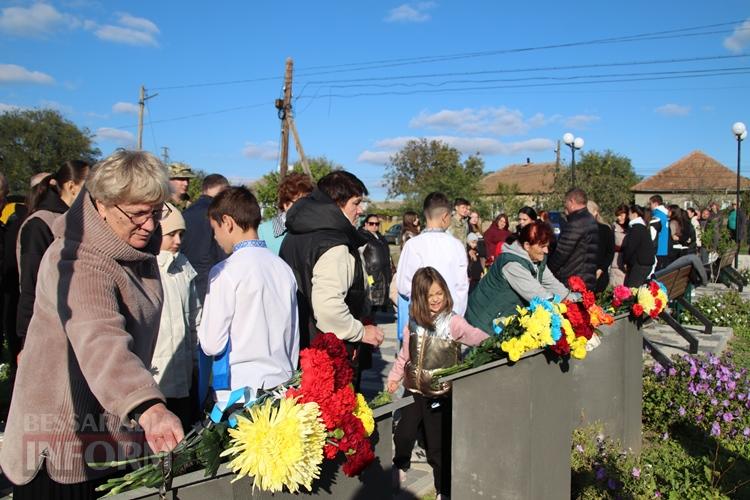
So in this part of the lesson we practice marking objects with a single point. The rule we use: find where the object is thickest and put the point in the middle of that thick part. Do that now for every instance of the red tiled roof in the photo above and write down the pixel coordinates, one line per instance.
(530, 178)
(694, 172)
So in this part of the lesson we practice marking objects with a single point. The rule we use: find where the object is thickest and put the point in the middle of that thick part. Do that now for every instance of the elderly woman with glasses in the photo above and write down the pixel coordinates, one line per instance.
(83, 384)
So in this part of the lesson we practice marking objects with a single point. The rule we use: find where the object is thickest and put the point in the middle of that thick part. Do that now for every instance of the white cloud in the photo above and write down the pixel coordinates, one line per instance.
(38, 20)
(410, 13)
(129, 30)
(127, 36)
(138, 23)
(375, 157)
(489, 120)
(467, 145)
(12, 73)
(63, 108)
(125, 107)
(5, 108)
(268, 150)
(739, 38)
(673, 110)
(121, 137)
(580, 121)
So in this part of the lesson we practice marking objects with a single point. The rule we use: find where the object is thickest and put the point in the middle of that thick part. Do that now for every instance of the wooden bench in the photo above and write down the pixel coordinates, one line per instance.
(677, 283)
(727, 274)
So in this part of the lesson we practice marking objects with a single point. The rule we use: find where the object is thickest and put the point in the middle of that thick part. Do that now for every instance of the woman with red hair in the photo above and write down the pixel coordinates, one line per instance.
(495, 236)
(519, 274)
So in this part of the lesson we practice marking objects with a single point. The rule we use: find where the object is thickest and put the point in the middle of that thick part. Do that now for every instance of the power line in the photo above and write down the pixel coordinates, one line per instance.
(205, 113)
(532, 69)
(360, 66)
(728, 71)
(525, 85)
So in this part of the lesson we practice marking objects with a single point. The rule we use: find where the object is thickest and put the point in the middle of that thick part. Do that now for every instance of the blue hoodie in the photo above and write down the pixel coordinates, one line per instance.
(662, 238)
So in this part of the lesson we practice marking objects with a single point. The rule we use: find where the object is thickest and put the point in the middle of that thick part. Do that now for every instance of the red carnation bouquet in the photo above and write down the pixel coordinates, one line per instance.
(585, 316)
(326, 380)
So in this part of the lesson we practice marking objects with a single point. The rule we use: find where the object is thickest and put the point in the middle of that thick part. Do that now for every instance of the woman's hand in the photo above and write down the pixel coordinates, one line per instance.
(162, 427)
(392, 386)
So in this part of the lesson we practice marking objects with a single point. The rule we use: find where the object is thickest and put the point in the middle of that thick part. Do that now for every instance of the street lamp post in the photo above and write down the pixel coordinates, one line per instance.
(740, 132)
(574, 143)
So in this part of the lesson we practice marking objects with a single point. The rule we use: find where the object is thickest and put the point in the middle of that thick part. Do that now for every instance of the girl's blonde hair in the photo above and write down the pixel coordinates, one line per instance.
(420, 292)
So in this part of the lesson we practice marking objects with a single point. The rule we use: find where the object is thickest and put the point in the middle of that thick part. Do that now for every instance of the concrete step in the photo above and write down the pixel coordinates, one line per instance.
(671, 343)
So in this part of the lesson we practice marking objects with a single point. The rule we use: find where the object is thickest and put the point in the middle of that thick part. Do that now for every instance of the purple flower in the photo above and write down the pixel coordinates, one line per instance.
(601, 474)
(715, 429)
(612, 484)
(579, 448)
(658, 369)
(672, 372)
(657, 494)
(702, 374)
(699, 418)
(728, 417)
(746, 432)
(714, 402)
(665, 436)
(741, 396)
(681, 411)
(636, 472)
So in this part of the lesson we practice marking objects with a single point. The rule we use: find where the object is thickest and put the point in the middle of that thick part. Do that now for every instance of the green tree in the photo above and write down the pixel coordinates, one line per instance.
(423, 166)
(33, 141)
(267, 188)
(606, 177)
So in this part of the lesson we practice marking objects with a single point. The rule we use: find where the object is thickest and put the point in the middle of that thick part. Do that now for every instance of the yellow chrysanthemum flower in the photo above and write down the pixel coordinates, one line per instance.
(646, 300)
(364, 414)
(578, 348)
(279, 447)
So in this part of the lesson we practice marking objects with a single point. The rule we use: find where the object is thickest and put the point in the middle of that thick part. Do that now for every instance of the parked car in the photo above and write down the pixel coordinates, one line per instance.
(392, 234)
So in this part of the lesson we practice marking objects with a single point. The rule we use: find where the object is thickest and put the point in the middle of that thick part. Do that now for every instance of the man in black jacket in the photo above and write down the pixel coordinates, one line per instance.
(577, 248)
(198, 243)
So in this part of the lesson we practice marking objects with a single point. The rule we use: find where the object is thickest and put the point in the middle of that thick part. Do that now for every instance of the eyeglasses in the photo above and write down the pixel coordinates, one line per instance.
(373, 223)
(140, 219)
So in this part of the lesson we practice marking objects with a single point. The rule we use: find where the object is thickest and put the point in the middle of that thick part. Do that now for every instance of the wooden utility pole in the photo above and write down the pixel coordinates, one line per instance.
(285, 110)
(557, 155)
(141, 105)
(298, 145)
(142, 98)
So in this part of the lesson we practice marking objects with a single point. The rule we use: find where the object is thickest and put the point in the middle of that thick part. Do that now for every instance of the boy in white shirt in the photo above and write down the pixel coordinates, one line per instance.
(250, 321)
(435, 248)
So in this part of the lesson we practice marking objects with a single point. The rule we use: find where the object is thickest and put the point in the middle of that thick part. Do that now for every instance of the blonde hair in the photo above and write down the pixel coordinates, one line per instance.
(129, 177)
(593, 208)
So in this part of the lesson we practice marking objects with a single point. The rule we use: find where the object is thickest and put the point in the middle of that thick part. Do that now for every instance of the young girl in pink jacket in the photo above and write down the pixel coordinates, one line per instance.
(432, 340)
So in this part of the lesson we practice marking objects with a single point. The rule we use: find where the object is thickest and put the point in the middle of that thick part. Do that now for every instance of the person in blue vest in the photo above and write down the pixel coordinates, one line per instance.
(250, 320)
(659, 211)
(519, 274)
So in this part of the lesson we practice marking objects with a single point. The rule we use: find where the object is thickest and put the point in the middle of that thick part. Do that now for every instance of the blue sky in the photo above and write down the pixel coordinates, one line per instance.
(371, 75)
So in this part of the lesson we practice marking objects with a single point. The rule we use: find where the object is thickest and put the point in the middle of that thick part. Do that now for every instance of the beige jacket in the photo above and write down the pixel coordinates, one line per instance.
(84, 365)
(333, 274)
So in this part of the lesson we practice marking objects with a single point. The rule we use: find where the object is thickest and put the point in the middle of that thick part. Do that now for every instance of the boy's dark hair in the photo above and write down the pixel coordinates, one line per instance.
(420, 291)
(341, 185)
(461, 201)
(435, 204)
(213, 180)
(238, 203)
(656, 199)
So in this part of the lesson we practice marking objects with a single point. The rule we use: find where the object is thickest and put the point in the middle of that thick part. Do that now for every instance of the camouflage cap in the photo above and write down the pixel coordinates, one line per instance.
(179, 170)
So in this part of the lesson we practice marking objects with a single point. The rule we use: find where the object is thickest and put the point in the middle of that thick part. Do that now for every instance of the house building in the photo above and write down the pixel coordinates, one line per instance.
(693, 180)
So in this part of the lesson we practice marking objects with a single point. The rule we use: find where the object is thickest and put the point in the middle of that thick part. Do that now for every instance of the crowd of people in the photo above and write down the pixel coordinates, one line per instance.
(125, 303)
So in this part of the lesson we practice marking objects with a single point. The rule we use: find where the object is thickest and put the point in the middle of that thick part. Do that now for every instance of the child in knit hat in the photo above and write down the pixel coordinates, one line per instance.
(176, 344)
